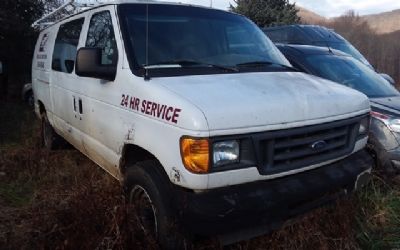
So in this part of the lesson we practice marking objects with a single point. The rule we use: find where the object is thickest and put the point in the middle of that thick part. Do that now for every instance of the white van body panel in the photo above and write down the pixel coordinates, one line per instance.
(41, 69)
(265, 99)
(155, 114)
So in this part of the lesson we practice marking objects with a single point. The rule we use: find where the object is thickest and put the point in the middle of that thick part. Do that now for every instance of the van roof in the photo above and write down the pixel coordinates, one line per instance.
(79, 8)
(116, 2)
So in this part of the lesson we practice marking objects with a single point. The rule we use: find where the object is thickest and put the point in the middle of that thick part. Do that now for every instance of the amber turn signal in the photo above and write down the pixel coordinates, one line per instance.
(195, 155)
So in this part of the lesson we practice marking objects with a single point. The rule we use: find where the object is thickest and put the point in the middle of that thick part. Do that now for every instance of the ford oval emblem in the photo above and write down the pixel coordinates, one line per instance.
(319, 145)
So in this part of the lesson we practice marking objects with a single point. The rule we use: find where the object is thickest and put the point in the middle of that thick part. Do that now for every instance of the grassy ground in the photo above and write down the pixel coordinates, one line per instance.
(61, 200)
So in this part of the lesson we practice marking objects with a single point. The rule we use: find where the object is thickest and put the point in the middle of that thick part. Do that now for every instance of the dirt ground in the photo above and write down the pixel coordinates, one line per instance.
(61, 200)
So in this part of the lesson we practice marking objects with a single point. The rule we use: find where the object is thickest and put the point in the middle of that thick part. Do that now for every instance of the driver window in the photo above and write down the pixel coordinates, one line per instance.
(101, 35)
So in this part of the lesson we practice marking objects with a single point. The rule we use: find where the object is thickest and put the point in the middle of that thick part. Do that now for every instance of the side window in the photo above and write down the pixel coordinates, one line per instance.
(65, 47)
(101, 35)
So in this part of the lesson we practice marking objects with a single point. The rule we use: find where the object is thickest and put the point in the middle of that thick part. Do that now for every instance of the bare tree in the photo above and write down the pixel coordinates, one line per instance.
(382, 51)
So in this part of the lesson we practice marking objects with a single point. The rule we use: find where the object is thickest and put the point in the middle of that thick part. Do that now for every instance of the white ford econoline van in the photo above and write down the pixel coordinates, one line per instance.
(199, 116)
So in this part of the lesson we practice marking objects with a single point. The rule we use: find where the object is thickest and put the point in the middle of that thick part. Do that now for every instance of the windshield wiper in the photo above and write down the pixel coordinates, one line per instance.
(262, 63)
(189, 63)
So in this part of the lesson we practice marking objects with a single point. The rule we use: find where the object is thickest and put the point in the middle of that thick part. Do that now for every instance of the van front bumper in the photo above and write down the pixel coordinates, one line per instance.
(256, 208)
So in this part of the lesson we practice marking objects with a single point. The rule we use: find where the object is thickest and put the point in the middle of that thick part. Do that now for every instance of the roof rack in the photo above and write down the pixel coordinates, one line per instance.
(69, 8)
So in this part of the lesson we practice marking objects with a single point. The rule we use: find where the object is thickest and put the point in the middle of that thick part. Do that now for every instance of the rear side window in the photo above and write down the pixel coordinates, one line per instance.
(66, 46)
(101, 35)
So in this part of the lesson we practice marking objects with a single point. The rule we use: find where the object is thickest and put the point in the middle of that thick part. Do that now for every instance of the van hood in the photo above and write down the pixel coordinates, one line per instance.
(234, 101)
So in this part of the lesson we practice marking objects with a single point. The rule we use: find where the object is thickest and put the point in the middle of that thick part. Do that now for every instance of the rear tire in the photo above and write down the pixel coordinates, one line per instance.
(29, 99)
(50, 139)
(149, 191)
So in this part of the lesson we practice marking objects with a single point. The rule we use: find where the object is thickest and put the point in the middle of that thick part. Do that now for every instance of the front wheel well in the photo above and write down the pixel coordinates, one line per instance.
(131, 154)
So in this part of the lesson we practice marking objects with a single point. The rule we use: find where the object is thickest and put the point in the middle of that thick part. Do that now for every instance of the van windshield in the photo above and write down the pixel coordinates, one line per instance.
(178, 37)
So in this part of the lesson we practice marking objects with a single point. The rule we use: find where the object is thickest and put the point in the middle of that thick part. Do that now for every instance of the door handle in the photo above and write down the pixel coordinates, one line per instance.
(80, 106)
(74, 104)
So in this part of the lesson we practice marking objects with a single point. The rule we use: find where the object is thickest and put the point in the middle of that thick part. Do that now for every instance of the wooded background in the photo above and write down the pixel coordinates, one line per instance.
(381, 50)
(18, 38)
(17, 41)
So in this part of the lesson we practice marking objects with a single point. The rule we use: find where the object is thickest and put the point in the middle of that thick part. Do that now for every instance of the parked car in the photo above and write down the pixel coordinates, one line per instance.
(203, 121)
(27, 94)
(317, 36)
(385, 99)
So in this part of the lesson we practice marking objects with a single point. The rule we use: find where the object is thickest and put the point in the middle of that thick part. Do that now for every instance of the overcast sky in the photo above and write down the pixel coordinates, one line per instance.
(328, 8)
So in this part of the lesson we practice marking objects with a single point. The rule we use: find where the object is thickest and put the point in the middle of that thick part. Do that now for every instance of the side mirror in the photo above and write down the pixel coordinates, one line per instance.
(388, 78)
(88, 64)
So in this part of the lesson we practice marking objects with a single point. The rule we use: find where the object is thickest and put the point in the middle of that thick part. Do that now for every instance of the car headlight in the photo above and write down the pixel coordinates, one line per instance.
(392, 123)
(225, 152)
(364, 126)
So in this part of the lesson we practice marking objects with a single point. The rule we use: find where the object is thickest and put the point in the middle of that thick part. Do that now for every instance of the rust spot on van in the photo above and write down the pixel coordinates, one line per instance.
(176, 175)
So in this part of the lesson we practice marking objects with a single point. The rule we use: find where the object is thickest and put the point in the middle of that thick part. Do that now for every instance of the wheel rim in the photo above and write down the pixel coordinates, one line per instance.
(145, 210)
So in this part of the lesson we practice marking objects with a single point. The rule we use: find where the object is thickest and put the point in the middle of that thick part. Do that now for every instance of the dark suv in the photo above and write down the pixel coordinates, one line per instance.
(334, 65)
(317, 36)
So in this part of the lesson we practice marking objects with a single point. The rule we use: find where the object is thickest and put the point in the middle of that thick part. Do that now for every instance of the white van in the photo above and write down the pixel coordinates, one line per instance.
(205, 123)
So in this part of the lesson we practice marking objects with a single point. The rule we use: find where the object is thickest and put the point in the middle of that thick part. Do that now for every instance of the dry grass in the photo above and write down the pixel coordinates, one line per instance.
(61, 200)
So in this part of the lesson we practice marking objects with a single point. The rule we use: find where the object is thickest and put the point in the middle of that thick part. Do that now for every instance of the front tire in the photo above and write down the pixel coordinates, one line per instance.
(149, 191)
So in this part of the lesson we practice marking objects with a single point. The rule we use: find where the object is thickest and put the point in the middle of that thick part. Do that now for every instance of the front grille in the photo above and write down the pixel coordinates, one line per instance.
(292, 149)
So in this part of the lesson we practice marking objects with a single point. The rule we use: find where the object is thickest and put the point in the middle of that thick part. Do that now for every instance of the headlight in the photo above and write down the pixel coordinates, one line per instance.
(225, 152)
(392, 123)
(364, 126)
